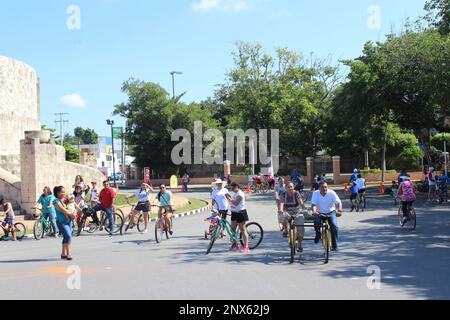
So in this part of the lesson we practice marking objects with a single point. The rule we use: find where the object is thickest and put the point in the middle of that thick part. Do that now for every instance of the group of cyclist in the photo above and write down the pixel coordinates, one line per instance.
(326, 205)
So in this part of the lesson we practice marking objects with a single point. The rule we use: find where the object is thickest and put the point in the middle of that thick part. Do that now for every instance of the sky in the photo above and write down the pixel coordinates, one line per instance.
(83, 50)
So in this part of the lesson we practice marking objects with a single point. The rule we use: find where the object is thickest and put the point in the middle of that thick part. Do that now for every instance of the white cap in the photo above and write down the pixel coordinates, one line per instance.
(355, 171)
(218, 181)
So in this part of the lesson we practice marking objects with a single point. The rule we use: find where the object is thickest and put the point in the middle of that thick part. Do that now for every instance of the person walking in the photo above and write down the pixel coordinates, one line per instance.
(186, 180)
(64, 221)
(239, 215)
(432, 185)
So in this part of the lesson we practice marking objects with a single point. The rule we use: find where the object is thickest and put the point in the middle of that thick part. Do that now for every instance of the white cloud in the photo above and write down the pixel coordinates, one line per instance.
(235, 6)
(73, 100)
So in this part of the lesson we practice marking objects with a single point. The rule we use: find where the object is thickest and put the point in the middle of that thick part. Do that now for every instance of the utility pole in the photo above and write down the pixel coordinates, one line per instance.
(173, 73)
(61, 122)
(384, 153)
(445, 158)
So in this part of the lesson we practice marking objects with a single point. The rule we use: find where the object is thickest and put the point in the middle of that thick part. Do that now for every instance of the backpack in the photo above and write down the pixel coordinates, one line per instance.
(299, 183)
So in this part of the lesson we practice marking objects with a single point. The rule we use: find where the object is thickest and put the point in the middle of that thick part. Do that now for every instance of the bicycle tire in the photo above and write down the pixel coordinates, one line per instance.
(400, 217)
(118, 224)
(2, 234)
(326, 243)
(413, 219)
(81, 226)
(159, 230)
(255, 237)
(141, 223)
(38, 230)
(213, 239)
(292, 243)
(21, 230)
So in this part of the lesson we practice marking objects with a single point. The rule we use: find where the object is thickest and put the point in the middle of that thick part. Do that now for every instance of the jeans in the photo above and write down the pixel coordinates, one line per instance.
(109, 214)
(185, 184)
(66, 229)
(52, 218)
(334, 227)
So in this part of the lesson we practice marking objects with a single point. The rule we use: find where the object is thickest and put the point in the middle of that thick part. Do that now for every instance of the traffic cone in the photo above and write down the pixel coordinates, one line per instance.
(248, 188)
(382, 188)
(182, 188)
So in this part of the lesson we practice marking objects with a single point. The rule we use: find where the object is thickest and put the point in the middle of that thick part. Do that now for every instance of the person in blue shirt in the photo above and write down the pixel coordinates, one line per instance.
(354, 177)
(353, 195)
(443, 187)
(48, 209)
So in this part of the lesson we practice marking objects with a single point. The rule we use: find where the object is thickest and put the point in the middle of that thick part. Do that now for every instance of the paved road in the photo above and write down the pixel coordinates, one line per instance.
(413, 265)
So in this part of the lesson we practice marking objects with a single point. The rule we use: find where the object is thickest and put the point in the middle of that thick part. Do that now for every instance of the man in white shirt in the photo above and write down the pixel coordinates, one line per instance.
(324, 203)
(220, 198)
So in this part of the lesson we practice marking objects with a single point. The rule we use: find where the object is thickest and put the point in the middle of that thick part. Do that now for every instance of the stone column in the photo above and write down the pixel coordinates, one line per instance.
(337, 169)
(309, 170)
(227, 168)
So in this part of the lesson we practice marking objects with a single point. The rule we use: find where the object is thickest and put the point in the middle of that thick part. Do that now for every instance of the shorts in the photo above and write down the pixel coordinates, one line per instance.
(143, 206)
(8, 221)
(167, 209)
(299, 218)
(432, 187)
(353, 196)
(362, 191)
(240, 217)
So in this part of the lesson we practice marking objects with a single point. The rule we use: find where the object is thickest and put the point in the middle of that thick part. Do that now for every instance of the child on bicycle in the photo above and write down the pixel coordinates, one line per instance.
(80, 203)
(48, 209)
(408, 196)
(8, 224)
(354, 190)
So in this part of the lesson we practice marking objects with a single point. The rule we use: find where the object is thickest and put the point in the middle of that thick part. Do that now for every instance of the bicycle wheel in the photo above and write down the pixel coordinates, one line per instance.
(292, 243)
(412, 219)
(21, 230)
(159, 230)
(81, 226)
(2, 234)
(255, 235)
(400, 217)
(118, 224)
(364, 202)
(326, 243)
(214, 235)
(141, 223)
(38, 230)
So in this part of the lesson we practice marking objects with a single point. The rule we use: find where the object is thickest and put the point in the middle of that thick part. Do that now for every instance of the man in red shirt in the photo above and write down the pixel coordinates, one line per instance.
(107, 198)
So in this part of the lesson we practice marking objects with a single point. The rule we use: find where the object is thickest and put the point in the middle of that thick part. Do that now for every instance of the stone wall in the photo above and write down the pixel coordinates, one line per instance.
(19, 108)
(43, 164)
(10, 186)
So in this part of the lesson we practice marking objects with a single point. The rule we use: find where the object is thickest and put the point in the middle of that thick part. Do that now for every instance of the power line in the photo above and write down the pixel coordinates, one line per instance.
(61, 122)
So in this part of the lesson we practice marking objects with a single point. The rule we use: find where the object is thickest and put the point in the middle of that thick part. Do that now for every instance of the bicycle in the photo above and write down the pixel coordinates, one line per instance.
(260, 187)
(292, 236)
(103, 222)
(131, 224)
(212, 225)
(42, 227)
(20, 229)
(360, 202)
(161, 226)
(254, 230)
(411, 221)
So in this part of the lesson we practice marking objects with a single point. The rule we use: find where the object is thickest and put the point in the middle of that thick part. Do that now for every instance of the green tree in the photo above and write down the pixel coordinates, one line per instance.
(72, 154)
(86, 136)
(439, 15)
(152, 117)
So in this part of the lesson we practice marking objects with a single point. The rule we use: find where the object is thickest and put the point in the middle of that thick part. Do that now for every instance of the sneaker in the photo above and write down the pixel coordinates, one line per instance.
(111, 234)
(144, 232)
(245, 250)
(300, 249)
(334, 250)
(171, 232)
(6, 239)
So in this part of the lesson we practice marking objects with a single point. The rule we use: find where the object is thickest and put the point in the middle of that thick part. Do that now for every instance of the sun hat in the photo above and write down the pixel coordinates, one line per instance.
(218, 181)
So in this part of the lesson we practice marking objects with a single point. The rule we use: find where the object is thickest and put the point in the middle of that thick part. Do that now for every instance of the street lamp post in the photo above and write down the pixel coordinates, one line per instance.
(173, 73)
(111, 123)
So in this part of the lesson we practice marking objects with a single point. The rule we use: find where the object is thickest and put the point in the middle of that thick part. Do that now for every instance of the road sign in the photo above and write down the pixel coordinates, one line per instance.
(117, 132)
(173, 182)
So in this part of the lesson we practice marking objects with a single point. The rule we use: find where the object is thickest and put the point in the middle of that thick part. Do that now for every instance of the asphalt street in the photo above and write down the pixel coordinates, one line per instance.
(411, 265)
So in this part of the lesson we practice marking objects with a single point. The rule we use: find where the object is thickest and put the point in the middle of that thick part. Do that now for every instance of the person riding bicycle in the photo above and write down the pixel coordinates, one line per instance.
(408, 196)
(258, 181)
(143, 196)
(354, 177)
(165, 199)
(107, 198)
(48, 209)
(324, 204)
(362, 187)
(8, 224)
(239, 215)
(292, 207)
(299, 183)
(354, 192)
(219, 198)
